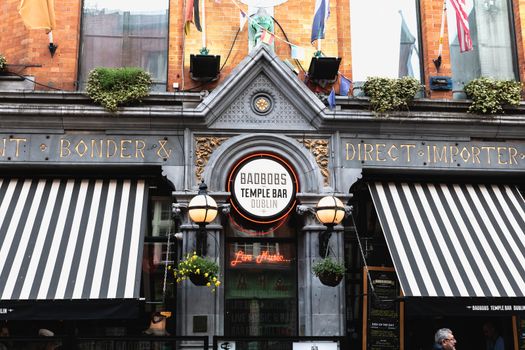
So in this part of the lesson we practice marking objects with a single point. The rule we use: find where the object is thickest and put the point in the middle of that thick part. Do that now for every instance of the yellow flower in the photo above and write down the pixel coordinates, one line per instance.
(206, 274)
(198, 271)
(208, 284)
(217, 284)
(214, 279)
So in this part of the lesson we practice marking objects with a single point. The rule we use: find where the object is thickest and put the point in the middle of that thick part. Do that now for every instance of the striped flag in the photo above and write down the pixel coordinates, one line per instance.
(465, 41)
(267, 37)
(192, 16)
(321, 13)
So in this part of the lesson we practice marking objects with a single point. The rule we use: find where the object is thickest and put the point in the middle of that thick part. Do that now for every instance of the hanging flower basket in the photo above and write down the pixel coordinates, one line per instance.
(329, 271)
(330, 279)
(198, 280)
(200, 271)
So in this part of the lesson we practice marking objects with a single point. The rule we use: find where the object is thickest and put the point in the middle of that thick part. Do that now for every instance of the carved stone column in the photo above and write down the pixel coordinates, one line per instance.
(321, 308)
(199, 310)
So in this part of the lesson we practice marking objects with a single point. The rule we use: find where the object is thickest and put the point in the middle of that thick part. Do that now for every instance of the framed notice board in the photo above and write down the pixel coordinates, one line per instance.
(383, 313)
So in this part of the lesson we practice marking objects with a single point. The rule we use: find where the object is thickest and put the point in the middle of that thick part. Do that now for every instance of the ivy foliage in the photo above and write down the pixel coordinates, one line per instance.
(114, 87)
(490, 95)
(390, 94)
(328, 266)
(3, 62)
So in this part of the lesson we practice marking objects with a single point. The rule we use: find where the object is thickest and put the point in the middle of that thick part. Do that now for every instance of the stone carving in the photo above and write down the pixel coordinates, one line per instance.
(204, 147)
(283, 115)
(319, 149)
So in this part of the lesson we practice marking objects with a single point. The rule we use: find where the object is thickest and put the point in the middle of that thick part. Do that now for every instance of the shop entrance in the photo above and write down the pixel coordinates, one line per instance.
(260, 280)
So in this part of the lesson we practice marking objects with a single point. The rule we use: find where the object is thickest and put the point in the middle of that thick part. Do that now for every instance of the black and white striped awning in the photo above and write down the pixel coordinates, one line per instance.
(70, 239)
(454, 240)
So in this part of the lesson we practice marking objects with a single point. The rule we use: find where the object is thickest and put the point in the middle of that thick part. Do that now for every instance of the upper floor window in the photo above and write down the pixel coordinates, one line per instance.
(385, 39)
(490, 29)
(125, 33)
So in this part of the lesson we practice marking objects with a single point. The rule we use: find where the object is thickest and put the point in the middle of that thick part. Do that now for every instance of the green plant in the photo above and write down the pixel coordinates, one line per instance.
(193, 265)
(3, 62)
(328, 266)
(390, 94)
(113, 87)
(489, 95)
(329, 271)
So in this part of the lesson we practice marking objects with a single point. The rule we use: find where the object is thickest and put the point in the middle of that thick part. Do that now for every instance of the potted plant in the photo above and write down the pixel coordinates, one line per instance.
(329, 271)
(490, 95)
(200, 271)
(390, 94)
(113, 87)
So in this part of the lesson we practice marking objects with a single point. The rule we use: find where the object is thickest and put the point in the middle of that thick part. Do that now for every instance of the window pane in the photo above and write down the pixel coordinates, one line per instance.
(385, 42)
(161, 221)
(154, 259)
(125, 34)
(260, 289)
(492, 55)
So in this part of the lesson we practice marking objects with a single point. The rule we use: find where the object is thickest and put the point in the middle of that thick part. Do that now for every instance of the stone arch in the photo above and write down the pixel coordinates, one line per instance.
(232, 150)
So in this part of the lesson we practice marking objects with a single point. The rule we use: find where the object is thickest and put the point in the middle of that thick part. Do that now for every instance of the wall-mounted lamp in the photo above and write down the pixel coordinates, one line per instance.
(330, 211)
(202, 210)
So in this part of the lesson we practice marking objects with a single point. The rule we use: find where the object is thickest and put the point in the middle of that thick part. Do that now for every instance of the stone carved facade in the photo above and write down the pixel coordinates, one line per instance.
(319, 149)
(204, 147)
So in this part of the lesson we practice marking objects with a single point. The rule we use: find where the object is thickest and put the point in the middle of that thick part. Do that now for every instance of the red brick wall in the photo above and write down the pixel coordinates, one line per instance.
(30, 47)
(22, 46)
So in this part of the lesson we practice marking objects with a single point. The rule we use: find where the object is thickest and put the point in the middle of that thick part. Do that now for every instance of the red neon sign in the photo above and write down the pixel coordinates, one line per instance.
(264, 257)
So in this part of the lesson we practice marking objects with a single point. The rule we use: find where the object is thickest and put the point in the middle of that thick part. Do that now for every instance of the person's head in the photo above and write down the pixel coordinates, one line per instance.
(489, 331)
(445, 339)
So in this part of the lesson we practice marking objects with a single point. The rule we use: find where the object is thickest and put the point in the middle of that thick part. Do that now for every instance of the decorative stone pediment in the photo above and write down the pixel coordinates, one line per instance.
(262, 93)
(262, 106)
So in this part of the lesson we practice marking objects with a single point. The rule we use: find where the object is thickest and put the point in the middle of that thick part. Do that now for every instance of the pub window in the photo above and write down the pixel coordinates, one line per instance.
(125, 33)
(260, 279)
(493, 53)
(157, 253)
(391, 52)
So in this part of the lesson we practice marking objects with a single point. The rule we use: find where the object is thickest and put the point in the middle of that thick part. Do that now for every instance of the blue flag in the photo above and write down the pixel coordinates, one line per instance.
(321, 13)
(331, 100)
(344, 86)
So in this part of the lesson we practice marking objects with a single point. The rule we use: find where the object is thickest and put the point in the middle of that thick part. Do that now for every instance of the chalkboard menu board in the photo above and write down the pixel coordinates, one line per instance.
(521, 332)
(382, 328)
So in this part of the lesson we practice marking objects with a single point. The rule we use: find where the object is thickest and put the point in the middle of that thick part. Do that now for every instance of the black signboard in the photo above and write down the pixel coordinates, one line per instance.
(382, 309)
(521, 332)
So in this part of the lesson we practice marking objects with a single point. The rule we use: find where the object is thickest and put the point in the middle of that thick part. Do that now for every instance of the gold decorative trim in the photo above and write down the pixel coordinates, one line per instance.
(204, 147)
(319, 149)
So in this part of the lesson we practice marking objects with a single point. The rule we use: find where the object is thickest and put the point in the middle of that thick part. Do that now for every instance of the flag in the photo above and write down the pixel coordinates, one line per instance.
(192, 16)
(267, 37)
(297, 52)
(344, 86)
(242, 19)
(321, 13)
(331, 100)
(407, 47)
(38, 14)
(465, 41)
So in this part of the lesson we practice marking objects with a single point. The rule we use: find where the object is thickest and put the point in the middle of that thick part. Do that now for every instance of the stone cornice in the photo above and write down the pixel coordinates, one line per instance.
(22, 110)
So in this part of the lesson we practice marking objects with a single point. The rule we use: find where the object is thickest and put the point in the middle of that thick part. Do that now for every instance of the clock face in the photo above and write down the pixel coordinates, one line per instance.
(263, 3)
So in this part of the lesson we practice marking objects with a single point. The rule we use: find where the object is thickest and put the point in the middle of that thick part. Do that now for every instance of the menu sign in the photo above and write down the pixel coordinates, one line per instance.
(383, 326)
(521, 333)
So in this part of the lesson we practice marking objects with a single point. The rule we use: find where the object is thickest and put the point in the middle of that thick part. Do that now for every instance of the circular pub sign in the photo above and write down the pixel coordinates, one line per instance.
(263, 188)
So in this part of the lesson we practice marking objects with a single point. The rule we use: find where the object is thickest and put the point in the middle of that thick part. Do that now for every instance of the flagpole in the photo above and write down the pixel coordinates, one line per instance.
(203, 35)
